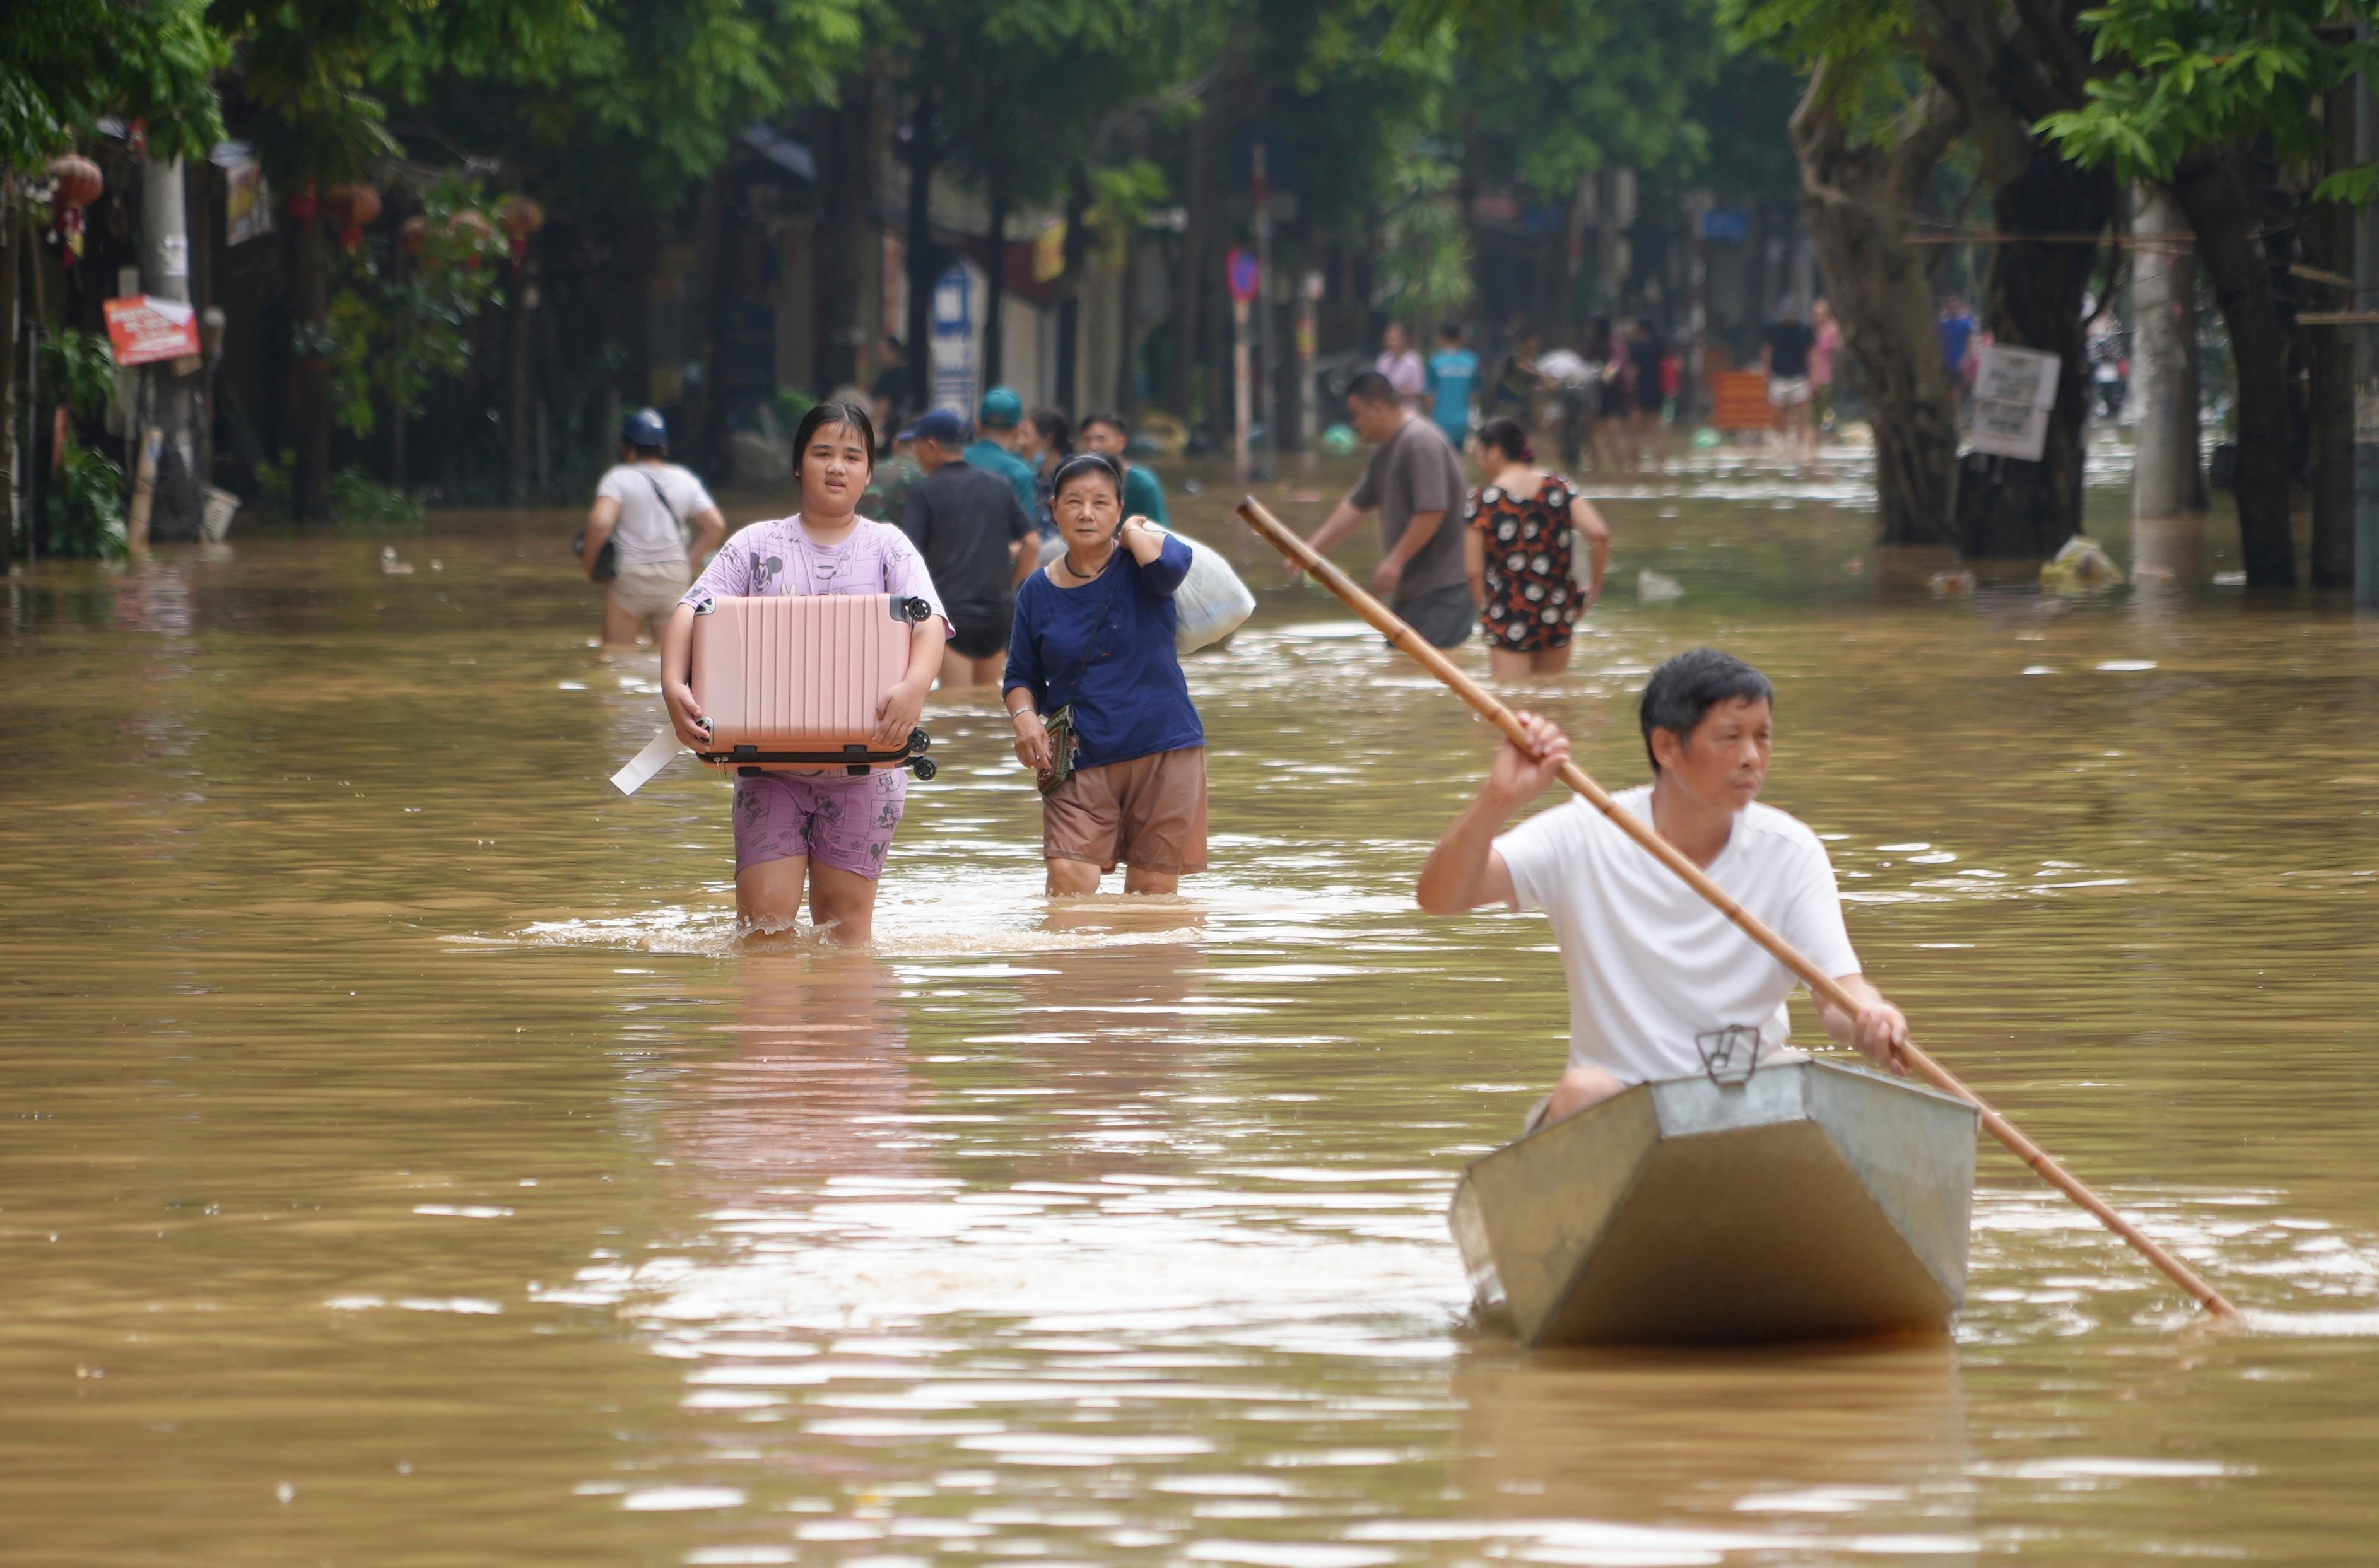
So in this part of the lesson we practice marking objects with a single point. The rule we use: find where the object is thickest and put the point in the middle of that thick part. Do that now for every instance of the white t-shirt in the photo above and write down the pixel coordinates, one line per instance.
(651, 532)
(1652, 963)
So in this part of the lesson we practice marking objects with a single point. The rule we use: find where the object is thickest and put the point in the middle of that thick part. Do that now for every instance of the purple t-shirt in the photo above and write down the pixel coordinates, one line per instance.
(780, 557)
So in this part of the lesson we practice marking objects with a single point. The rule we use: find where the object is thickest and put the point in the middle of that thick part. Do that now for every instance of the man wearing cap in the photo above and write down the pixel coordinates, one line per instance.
(994, 446)
(643, 506)
(973, 532)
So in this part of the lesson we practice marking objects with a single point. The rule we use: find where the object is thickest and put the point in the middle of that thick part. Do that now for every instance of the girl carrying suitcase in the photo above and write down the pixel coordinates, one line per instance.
(829, 829)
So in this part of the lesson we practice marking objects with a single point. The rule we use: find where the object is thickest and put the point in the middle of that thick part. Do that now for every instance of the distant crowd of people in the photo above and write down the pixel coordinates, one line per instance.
(1608, 400)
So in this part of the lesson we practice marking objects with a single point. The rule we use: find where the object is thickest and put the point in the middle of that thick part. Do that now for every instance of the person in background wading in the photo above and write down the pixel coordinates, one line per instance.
(975, 533)
(642, 507)
(1095, 684)
(1414, 481)
(1045, 441)
(998, 432)
(1521, 551)
(1143, 492)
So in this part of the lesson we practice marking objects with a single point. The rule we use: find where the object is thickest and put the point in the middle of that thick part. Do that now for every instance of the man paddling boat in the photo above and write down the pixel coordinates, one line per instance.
(1656, 973)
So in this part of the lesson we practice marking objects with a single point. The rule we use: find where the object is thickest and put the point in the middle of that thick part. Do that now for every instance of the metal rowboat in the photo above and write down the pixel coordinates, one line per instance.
(1806, 1200)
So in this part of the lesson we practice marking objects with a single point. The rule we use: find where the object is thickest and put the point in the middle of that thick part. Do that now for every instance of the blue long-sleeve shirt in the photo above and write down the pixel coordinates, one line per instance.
(1106, 648)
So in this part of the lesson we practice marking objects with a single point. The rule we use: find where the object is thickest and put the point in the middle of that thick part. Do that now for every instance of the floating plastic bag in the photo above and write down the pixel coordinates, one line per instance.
(1211, 602)
(2080, 567)
(1653, 588)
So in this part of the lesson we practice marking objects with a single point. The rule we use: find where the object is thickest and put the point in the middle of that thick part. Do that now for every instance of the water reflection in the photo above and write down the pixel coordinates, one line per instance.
(1693, 1454)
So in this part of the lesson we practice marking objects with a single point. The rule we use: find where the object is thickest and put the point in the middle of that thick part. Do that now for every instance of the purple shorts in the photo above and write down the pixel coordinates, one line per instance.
(836, 820)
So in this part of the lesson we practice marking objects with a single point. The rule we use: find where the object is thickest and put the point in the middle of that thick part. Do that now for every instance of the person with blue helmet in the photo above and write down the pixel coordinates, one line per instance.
(635, 538)
(998, 429)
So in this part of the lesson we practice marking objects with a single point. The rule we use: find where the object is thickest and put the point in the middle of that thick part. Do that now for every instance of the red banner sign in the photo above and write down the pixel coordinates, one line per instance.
(145, 329)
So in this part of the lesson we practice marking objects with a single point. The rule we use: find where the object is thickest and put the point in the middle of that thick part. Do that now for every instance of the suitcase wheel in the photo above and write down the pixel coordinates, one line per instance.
(912, 609)
(923, 769)
(918, 741)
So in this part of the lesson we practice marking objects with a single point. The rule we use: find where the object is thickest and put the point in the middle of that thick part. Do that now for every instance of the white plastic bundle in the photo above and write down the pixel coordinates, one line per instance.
(1211, 602)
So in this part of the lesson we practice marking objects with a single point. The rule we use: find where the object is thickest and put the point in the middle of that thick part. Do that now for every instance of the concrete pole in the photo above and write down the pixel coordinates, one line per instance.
(2164, 328)
(2366, 362)
(166, 274)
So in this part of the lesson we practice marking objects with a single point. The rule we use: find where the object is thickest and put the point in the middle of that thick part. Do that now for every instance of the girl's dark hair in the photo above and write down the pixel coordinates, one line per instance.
(834, 411)
(1083, 462)
(1055, 429)
(1504, 434)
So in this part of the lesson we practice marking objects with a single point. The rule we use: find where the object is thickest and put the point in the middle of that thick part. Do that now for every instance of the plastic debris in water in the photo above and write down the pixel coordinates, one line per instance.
(2080, 567)
(1946, 585)
(1653, 588)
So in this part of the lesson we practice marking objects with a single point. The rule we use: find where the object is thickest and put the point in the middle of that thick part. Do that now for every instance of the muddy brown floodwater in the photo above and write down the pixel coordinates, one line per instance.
(401, 1165)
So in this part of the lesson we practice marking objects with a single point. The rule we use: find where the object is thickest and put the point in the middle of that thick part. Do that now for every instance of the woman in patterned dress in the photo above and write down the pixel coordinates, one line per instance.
(1521, 548)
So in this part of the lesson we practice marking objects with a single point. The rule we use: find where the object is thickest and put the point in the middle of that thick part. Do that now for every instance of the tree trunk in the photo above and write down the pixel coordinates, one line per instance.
(1860, 198)
(2034, 292)
(2165, 474)
(309, 372)
(920, 257)
(847, 208)
(12, 261)
(1188, 305)
(2330, 229)
(2212, 186)
(2008, 66)
(516, 415)
(400, 335)
(995, 293)
(1069, 308)
(701, 429)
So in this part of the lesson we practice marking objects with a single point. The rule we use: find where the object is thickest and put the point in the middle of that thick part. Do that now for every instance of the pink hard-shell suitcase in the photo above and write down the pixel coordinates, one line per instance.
(789, 681)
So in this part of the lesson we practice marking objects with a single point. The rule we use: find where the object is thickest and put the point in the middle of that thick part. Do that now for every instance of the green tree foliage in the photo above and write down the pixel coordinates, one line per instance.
(317, 74)
(2184, 73)
(1592, 82)
(650, 97)
(1424, 266)
(82, 503)
(1018, 92)
(398, 324)
(66, 63)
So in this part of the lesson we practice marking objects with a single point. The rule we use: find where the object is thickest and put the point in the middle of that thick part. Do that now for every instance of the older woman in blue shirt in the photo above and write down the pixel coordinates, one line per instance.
(1103, 713)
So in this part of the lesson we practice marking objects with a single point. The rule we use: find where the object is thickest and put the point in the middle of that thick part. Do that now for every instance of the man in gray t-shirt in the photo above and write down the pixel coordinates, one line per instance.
(1415, 483)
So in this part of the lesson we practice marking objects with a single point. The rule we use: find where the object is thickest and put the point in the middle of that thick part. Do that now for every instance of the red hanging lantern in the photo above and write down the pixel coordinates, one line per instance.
(349, 208)
(523, 217)
(303, 204)
(78, 184)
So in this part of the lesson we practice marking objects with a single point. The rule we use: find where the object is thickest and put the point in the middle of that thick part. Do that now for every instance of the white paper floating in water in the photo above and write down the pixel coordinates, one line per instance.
(2126, 665)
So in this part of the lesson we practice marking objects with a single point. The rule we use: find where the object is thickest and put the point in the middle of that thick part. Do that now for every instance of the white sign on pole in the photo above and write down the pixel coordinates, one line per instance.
(957, 338)
(2014, 390)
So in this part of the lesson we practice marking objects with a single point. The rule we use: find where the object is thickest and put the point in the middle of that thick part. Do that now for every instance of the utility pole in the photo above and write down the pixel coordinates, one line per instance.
(2165, 481)
(166, 274)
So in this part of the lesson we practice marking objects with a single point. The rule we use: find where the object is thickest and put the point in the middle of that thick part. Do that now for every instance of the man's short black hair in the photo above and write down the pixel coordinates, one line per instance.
(1372, 387)
(1691, 684)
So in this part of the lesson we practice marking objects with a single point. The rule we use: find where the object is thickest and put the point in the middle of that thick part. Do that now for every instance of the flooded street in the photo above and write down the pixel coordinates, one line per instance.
(403, 1164)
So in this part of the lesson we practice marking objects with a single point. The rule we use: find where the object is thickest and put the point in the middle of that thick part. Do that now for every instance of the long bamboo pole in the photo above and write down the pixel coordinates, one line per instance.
(1292, 545)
